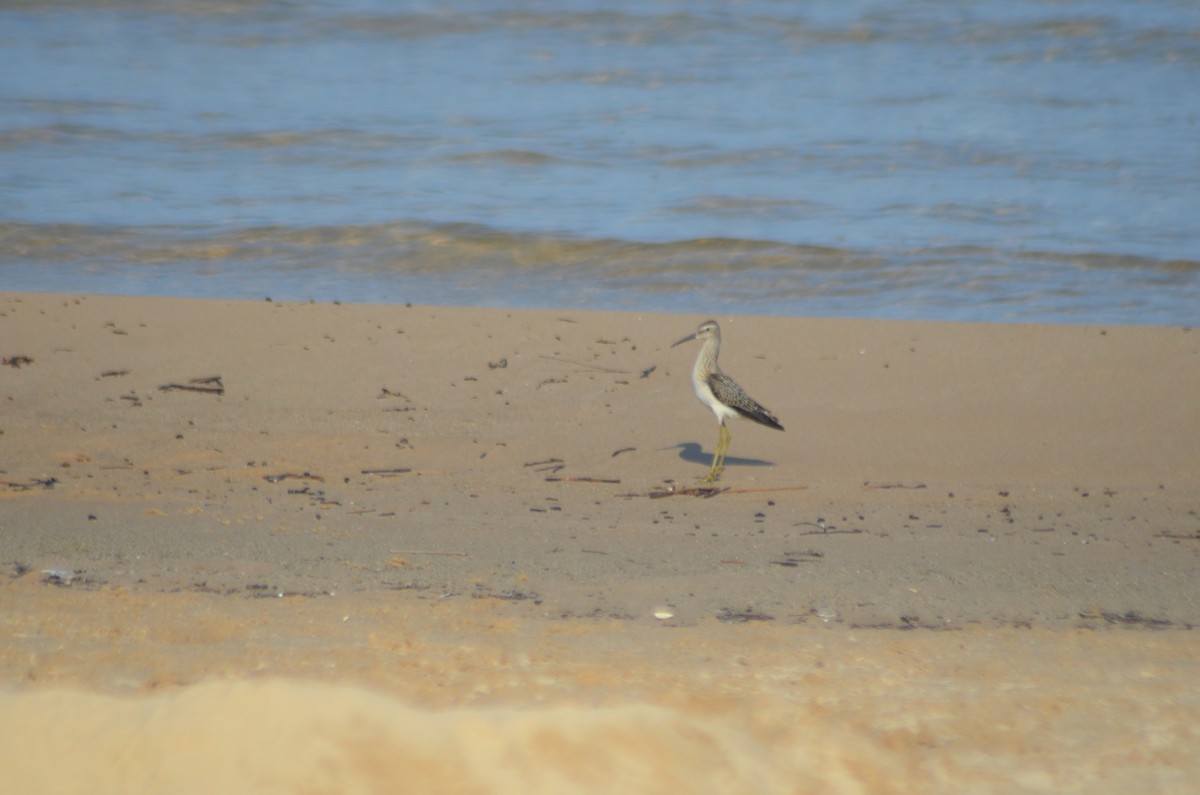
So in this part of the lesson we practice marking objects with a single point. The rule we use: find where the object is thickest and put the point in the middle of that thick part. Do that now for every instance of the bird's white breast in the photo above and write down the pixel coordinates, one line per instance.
(705, 394)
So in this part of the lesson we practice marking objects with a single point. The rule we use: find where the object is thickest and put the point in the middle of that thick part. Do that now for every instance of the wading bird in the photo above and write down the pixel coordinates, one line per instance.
(721, 394)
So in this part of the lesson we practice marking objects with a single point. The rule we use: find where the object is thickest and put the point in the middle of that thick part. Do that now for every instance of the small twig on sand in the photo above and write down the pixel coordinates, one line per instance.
(209, 384)
(286, 475)
(583, 480)
(45, 483)
(766, 488)
(386, 471)
(687, 491)
(712, 491)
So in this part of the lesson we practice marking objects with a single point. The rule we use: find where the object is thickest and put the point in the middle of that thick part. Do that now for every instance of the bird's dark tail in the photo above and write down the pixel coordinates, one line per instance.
(759, 415)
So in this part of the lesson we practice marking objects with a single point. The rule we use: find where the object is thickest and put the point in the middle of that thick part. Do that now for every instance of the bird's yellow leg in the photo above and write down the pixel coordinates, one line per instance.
(724, 449)
(712, 470)
(718, 462)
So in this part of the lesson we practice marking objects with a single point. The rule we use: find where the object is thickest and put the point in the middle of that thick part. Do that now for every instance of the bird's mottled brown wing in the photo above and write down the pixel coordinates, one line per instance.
(732, 395)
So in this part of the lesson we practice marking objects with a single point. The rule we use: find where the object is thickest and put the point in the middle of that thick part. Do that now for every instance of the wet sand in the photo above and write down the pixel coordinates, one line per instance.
(328, 548)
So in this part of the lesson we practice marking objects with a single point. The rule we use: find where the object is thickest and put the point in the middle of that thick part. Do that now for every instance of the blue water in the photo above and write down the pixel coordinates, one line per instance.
(990, 161)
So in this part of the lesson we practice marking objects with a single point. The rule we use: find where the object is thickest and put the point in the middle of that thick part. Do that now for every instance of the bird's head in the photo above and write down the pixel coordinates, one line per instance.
(708, 329)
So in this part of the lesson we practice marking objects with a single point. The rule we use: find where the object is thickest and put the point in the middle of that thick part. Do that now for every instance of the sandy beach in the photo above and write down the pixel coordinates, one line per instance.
(279, 547)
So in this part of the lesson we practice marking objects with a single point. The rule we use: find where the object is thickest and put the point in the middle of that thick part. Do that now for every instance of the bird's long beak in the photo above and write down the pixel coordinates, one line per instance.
(688, 338)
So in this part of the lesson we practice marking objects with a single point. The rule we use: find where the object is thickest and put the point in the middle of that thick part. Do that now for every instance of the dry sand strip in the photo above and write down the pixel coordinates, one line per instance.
(125, 691)
(322, 548)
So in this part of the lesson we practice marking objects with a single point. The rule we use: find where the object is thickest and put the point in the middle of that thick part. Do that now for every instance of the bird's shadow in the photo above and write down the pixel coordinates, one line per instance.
(693, 453)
